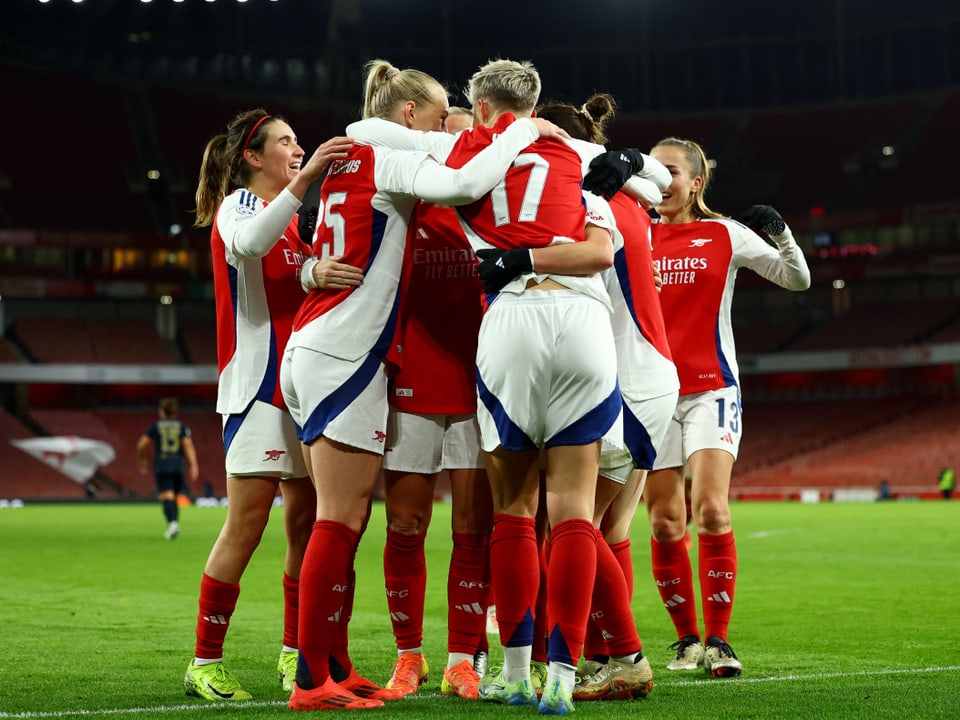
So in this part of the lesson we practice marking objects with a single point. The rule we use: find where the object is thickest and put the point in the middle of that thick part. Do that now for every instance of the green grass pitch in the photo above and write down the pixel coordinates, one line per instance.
(842, 611)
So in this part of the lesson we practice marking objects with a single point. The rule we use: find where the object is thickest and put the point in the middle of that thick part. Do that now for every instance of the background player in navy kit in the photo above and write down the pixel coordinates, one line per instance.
(173, 448)
(258, 271)
(333, 372)
(698, 253)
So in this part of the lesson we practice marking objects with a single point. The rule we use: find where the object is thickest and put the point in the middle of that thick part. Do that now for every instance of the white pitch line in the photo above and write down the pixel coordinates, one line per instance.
(817, 676)
(705, 682)
(760, 534)
(149, 711)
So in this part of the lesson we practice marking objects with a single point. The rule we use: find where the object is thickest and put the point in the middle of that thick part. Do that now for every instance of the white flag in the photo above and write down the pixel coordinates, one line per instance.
(77, 458)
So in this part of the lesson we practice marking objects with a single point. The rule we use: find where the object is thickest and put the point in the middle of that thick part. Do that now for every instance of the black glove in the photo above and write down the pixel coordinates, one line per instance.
(307, 223)
(763, 217)
(610, 170)
(498, 267)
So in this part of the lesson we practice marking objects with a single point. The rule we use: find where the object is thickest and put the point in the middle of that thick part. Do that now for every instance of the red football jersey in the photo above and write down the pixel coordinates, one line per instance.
(440, 318)
(256, 301)
(635, 271)
(537, 201)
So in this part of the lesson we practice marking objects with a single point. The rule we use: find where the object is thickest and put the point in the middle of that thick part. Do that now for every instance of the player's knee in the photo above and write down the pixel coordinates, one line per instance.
(712, 517)
(667, 527)
(411, 523)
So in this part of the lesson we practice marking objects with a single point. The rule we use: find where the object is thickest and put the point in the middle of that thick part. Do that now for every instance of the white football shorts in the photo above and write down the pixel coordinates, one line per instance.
(342, 400)
(702, 421)
(262, 442)
(546, 371)
(430, 443)
(645, 424)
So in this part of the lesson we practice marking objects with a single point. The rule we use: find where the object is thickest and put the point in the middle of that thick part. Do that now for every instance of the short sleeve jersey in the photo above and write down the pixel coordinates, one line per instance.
(167, 436)
(441, 315)
(256, 299)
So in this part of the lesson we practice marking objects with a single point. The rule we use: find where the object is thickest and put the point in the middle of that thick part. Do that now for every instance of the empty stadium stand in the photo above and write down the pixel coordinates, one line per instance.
(26, 478)
(102, 183)
(825, 446)
(92, 341)
(199, 338)
(876, 325)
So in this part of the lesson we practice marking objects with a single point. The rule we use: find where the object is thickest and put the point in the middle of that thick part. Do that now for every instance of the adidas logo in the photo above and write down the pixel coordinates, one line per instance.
(499, 262)
(720, 597)
(727, 438)
(399, 616)
(336, 616)
(215, 619)
(674, 601)
(473, 608)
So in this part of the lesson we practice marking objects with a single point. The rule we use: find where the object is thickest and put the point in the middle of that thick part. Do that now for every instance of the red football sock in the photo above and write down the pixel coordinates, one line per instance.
(405, 573)
(324, 579)
(718, 580)
(624, 555)
(570, 576)
(291, 610)
(610, 604)
(594, 647)
(217, 602)
(467, 584)
(540, 620)
(340, 663)
(515, 570)
(674, 577)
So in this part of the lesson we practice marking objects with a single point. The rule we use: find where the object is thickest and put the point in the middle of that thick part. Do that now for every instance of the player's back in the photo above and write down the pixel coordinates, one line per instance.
(168, 436)
(634, 268)
(366, 227)
(538, 200)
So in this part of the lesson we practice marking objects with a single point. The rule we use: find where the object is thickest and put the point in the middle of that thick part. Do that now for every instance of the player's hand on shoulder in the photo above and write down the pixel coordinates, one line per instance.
(499, 267)
(610, 170)
(335, 148)
(763, 218)
(549, 130)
